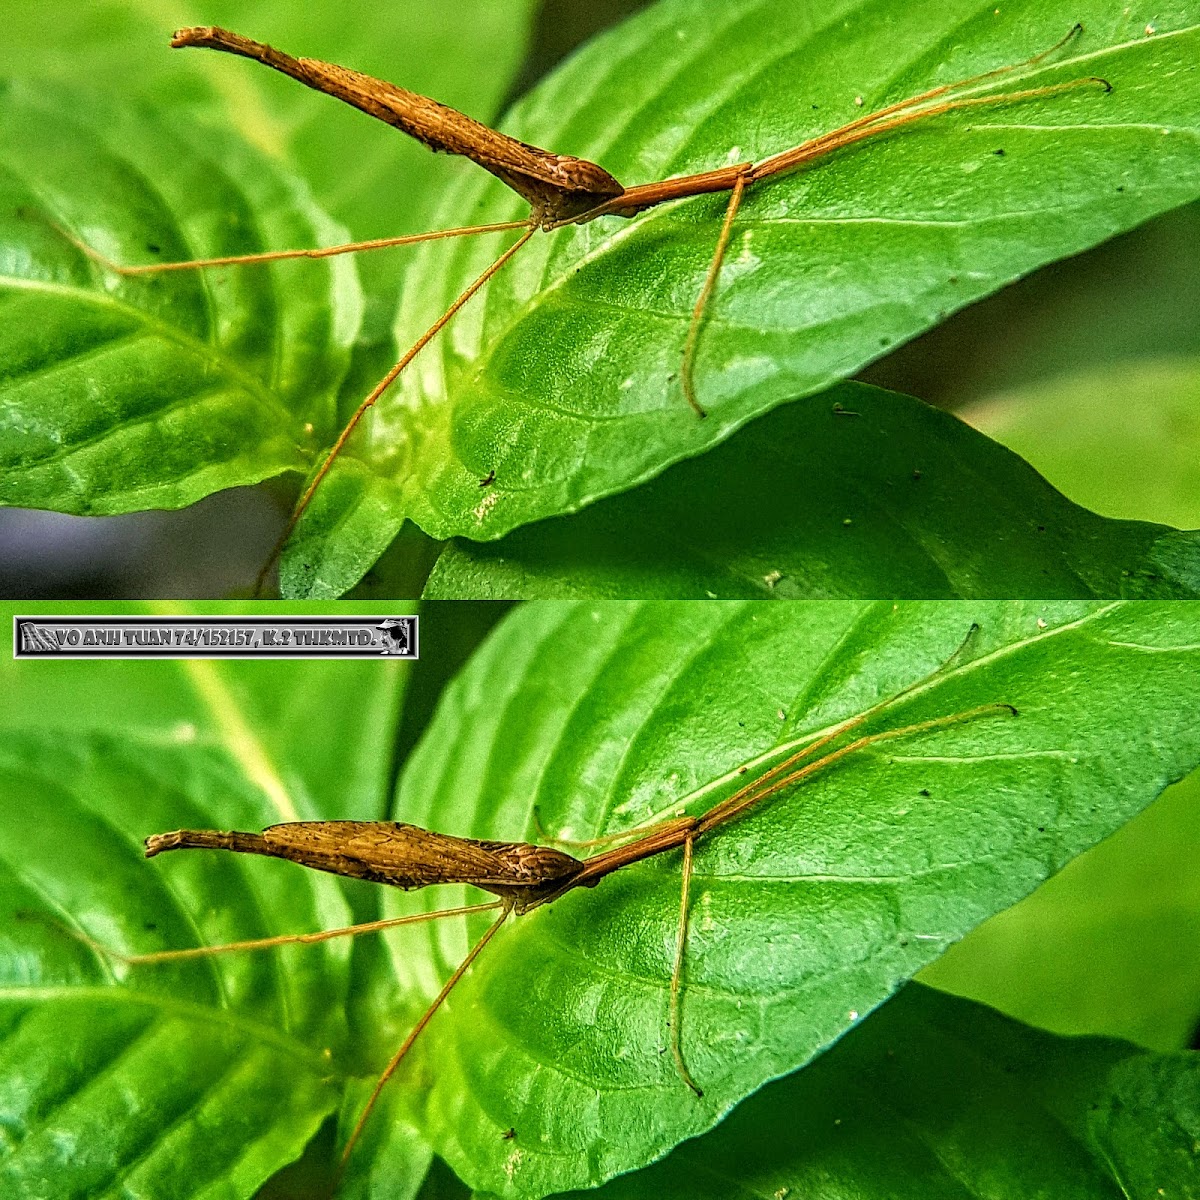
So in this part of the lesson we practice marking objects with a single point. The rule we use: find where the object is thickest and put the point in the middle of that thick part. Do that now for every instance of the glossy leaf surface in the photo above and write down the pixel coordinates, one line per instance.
(120, 392)
(855, 492)
(935, 1099)
(197, 1078)
(124, 394)
(806, 914)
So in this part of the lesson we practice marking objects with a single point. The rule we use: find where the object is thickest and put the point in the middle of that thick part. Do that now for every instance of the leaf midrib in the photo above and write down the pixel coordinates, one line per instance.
(183, 1010)
(204, 351)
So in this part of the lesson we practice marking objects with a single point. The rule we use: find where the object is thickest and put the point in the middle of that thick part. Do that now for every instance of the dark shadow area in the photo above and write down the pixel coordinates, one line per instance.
(560, 26)
(209, 551)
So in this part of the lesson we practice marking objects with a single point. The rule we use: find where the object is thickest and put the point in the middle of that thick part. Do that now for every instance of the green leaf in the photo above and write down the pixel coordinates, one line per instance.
(856, 492)
(1126, 417)
(122, 393)
(202, 1078)
(935, 1098)
(316, 736)
(130, 394)
(804, 915)
(197, 1078)
(390, 1161)
(563, 378)
(1128, 300)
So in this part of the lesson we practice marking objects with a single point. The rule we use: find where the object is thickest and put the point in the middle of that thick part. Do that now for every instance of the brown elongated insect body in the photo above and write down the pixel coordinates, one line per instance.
(401, 855)
(557, 186)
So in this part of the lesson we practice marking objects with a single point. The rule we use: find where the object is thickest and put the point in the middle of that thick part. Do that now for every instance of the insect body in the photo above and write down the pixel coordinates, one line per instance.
(559, 188)
(404, 856)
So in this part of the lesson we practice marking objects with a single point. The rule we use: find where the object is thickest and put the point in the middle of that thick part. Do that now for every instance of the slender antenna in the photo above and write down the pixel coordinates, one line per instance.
(674, 1020)
(398, 1057)
(283, 939)
(757, 782)
(267, 256)
(848, 135)
(685, 830)
(835, 137)
(660, 833)
(605, 839)
(755, 785)
(740, 801)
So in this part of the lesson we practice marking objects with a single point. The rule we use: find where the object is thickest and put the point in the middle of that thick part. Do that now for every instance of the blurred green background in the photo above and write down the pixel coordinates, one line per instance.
(1089, 368)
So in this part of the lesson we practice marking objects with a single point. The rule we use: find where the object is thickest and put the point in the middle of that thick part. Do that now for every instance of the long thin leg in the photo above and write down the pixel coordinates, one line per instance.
(398, 1057)
(284, 939)
(893, 117)
(377, 391)
(674, 1019)
(739, 802)
(834, 137)
(757, 787)
(680, 821)
(859, 131)
(267, 256)
(757, 783)
(710, 282)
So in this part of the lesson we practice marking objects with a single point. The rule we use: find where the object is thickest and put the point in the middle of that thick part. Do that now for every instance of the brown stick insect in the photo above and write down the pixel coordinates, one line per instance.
(524, 876)
(562, 190)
